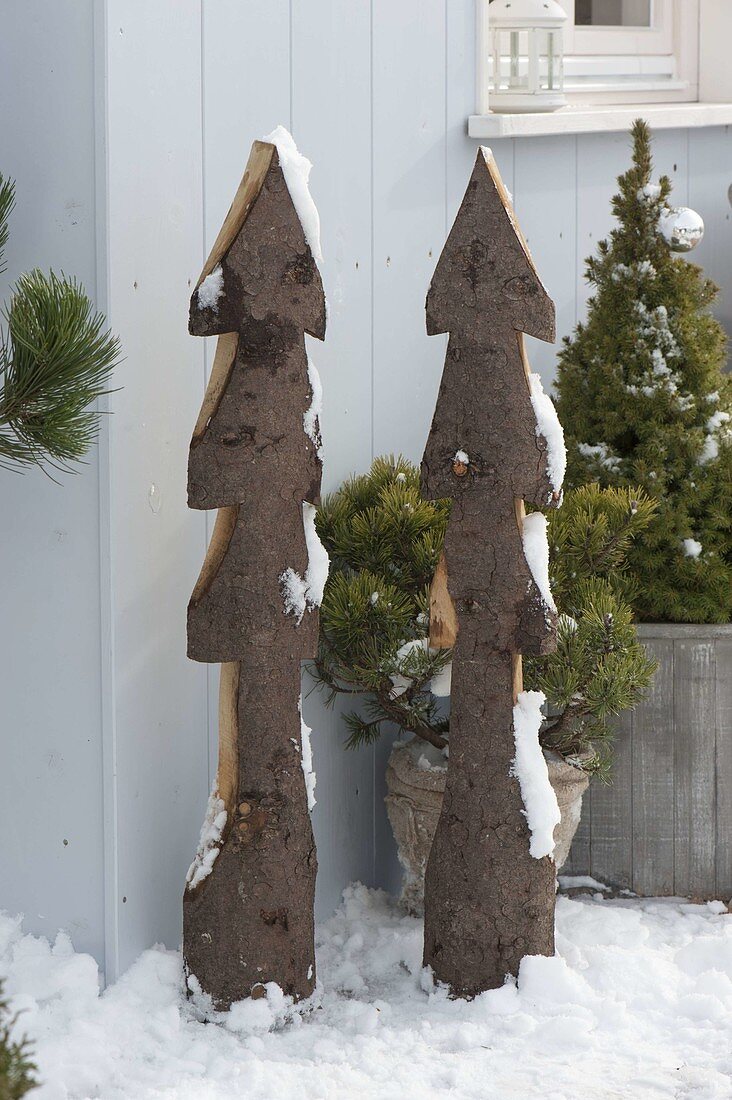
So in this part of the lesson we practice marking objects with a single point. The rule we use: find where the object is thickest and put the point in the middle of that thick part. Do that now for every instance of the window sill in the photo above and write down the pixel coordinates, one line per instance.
(600, 118)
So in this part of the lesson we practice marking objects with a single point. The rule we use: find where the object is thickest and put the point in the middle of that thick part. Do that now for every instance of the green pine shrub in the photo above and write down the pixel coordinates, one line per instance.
(56, 358)
(17, 1072)
(644, 402)
(384, 543)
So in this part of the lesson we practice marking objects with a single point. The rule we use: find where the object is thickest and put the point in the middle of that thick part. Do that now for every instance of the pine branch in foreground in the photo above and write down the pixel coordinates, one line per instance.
(54, 363)
(56, 360)
(17, 1071)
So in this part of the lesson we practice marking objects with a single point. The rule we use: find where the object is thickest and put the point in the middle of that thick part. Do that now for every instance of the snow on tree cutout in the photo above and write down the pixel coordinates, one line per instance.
(255, 456)
(495, 442)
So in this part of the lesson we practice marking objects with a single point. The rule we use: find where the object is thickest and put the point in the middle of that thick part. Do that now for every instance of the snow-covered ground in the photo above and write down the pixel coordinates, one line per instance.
(637, 1003)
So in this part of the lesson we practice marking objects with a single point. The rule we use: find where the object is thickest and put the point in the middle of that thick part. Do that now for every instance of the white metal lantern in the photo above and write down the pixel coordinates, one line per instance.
(526, 42)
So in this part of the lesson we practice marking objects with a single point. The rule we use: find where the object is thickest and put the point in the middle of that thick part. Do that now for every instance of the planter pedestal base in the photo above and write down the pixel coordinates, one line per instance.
(415, 780)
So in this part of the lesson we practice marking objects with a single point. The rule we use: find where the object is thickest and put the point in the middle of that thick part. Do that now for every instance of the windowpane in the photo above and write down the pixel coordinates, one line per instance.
(612, 13)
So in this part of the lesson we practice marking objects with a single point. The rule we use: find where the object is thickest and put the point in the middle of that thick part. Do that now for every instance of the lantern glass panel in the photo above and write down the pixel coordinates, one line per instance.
(511, 61)
(551, 74)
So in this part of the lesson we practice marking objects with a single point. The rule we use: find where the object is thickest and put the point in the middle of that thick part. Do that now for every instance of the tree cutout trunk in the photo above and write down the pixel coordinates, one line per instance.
(248, 903)
(488, 902)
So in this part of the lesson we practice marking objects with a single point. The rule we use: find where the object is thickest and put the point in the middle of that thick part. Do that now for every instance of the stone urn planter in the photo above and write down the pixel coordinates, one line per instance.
(415, 780)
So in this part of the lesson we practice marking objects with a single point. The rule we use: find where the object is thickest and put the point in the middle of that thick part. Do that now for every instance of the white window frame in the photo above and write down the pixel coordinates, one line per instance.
(656, 39)
(702, 36)
(659, 64)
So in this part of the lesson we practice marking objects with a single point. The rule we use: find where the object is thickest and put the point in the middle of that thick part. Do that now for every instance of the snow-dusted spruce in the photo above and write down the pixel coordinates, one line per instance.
(644, 401)
(488, 901)
(255, 453)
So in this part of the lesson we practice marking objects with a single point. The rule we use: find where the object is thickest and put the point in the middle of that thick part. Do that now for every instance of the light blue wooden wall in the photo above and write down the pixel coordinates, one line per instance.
(51, 808)
(128, 125)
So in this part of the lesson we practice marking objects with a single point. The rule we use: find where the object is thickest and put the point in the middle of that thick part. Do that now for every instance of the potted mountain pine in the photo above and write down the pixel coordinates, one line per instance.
(384, 543)
(644, 401)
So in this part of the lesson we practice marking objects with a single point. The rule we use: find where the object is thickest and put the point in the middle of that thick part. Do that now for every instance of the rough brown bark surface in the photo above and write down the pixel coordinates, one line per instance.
(488, 902)
(250, 920)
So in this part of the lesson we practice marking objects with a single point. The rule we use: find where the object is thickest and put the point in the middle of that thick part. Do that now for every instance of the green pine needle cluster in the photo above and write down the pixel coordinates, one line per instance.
(644, 402)
(16, 1068)
(385, 541)
(56, 359)
(599, 667)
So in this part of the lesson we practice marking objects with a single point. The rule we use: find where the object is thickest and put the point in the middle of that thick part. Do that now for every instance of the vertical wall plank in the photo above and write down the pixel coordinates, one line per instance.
(601, 158)
(409, 166)
(671, 158)
(246, 91)
(611, 822)
(694, 760)
(710, 155)
(724, 768)
(331, 48)
(653, 778)
(460, 150)
(159, 716)
(544, 181)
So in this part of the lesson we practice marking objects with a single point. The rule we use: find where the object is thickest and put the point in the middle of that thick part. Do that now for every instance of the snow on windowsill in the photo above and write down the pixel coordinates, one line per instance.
(589, 118)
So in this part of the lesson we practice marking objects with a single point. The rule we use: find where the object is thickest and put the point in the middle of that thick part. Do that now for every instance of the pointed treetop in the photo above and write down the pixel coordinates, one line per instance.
(485, 267)
(261, 265)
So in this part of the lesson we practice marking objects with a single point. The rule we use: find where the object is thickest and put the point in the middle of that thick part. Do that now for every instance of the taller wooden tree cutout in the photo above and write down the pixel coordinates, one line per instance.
(488, 902)
(248, 903)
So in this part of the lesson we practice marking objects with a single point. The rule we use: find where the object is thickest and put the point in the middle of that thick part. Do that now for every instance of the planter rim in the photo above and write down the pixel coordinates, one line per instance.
(684, 630)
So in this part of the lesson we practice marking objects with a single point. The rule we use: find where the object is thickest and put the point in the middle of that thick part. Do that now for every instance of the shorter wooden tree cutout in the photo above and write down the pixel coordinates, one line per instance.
(488, 900)
(254, 455)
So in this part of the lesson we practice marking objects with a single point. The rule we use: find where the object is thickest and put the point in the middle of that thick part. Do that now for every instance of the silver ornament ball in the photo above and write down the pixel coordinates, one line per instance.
(683, 228)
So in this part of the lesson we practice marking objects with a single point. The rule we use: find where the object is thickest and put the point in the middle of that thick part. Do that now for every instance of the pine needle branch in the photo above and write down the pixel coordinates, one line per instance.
(56, 360)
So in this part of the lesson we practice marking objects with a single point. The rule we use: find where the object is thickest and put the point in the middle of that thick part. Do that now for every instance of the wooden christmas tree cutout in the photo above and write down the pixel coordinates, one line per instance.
(248, 904)
(488, 902)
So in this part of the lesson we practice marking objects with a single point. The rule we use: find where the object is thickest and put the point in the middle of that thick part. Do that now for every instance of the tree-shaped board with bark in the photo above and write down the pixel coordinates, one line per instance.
(489, 884)
(254, 455)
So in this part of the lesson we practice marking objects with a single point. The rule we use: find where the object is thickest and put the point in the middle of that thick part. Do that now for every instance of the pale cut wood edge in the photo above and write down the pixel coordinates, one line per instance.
(227, 775)
(223, 363)
(490, 163)
(518, 665)
(260, 159)
(517, 676)
(223, 530)
(443, 617)
(524, 359)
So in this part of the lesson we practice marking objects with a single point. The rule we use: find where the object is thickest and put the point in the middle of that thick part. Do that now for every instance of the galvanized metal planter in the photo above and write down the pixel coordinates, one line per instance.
(665, 825)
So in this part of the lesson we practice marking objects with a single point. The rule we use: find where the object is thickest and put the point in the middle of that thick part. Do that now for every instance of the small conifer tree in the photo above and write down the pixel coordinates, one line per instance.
(16, 1068)
(644, 402)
